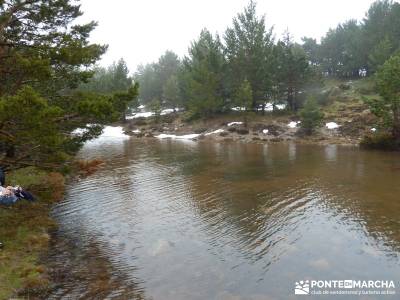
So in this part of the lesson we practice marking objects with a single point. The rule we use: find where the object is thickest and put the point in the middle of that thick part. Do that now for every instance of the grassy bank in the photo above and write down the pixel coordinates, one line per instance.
(24, 233)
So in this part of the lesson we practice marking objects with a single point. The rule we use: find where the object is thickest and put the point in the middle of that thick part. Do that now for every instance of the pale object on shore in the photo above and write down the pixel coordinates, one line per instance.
(177, 137)
(332, 125)
(136, 131)
(214, 132)
(234, 123)
(265, 131)
(293, 124)
(373, 129)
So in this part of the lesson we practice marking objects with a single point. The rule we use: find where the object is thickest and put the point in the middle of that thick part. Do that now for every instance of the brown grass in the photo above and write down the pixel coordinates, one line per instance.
(88, 167)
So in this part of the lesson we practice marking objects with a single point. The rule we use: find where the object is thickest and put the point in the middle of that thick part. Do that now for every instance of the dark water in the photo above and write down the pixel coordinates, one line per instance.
(203, 220)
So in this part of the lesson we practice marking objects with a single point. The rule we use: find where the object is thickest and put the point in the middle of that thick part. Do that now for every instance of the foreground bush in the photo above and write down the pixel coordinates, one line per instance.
(380, 141)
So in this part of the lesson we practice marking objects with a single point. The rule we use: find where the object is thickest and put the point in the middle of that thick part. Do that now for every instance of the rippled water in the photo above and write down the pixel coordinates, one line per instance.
(202, 220)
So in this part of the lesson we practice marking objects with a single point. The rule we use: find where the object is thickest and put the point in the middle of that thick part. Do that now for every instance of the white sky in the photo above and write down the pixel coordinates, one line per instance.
(141, 30)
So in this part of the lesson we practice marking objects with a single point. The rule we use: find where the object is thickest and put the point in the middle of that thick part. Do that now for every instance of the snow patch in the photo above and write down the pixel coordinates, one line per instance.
(332, 125)
(168, 111)
(238, 108)
(113, 132)
(293, 124)
(234, 123)
(145, 114)
(215, 132)
(79, 131)
(177, 137)
(148, 114)
(270, 106)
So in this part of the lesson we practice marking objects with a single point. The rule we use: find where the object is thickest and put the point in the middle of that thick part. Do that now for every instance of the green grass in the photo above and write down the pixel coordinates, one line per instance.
(23, 232)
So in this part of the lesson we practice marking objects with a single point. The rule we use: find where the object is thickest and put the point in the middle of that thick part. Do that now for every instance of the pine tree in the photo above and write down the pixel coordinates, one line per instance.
(244, 95)
(292, 70)
(388, 106)
(171, 94)
(44, 56)
(311, 116)
(248, 48)
(202, 76)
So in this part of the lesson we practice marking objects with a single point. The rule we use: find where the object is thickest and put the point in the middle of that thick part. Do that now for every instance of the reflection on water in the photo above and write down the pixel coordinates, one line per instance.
(205, 220)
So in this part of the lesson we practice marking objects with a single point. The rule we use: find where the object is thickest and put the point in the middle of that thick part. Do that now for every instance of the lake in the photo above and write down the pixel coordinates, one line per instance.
(180, 219)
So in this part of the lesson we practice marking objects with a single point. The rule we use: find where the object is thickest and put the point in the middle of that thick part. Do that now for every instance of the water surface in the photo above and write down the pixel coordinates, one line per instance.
(208, 220)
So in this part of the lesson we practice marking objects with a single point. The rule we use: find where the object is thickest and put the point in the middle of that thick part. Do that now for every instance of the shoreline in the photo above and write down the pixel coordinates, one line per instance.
(264, 129)
(25, 230)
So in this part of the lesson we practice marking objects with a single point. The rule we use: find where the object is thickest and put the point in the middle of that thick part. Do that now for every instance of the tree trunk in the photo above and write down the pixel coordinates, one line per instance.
(290, 99)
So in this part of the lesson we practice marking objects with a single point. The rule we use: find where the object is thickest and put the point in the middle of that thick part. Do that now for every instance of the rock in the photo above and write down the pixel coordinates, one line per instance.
(200, 130)
(148, 134)
(276, 140)
(130, 126)
(223, 134)
(258, 127)
(256, 139)
(344, 86)
(274, 129)
(139, 121)
(232, 129)
(242, 131)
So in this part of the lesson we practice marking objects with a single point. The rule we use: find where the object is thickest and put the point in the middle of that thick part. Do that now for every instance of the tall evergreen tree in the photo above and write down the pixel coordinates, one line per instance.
(109, 80)
(44, 56)
(388, 107)
(244, 96)
(248, 51)
(202, 76)
(171, 93)
(153, 77)
(341, 50)
(292, 70)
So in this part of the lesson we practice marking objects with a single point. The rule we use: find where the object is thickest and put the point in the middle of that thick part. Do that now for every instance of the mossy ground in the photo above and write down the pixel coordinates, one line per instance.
(24, 233)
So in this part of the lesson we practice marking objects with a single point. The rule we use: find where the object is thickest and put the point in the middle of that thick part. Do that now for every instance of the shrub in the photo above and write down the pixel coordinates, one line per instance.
(311, 116)
(380, 141)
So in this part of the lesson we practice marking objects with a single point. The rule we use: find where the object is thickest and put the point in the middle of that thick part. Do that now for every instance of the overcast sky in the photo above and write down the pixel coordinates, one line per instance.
(141, 30)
